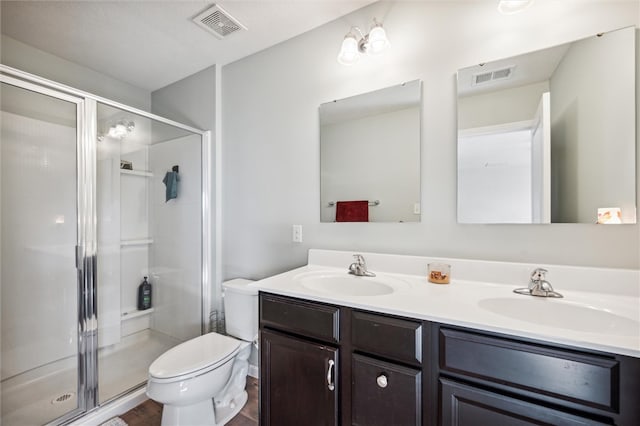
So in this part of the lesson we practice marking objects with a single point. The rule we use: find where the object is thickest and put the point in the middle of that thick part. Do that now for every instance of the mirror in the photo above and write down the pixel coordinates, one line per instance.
(549, 136)
(370, 156)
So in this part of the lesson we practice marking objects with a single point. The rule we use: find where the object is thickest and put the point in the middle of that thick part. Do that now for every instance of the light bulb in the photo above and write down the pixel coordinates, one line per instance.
(349, 51)
(120, 129)
(377, 40)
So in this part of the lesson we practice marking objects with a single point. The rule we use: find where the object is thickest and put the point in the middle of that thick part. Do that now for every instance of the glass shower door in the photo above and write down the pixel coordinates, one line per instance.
(39, 292)
(85, 215)
(147, 229)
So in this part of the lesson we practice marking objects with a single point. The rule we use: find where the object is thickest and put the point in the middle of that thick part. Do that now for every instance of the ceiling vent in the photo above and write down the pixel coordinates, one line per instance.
(217, 21)
(486, 77)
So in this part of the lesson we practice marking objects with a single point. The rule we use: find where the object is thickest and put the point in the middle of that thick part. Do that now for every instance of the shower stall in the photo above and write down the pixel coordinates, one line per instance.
(95, 198)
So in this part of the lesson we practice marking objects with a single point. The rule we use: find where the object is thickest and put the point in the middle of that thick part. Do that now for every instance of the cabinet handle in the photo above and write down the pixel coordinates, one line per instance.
(382, 381)
(330, 383)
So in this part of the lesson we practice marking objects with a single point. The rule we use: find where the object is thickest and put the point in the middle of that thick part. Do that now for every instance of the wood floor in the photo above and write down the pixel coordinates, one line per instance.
(149, 413)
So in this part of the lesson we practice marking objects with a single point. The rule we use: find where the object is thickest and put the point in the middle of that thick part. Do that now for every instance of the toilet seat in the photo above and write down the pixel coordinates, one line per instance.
(194, 357)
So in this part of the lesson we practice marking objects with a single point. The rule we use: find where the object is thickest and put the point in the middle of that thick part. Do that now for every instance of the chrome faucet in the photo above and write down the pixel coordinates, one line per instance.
(359, 267)
(538, 285)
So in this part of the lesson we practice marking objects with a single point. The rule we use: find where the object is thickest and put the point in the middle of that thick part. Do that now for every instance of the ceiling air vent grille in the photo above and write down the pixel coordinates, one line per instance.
(218, 22)
(486, 77)
(482, 78)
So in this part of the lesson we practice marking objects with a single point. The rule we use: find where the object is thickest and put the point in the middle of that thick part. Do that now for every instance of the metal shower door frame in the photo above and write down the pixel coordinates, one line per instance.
(85, 252)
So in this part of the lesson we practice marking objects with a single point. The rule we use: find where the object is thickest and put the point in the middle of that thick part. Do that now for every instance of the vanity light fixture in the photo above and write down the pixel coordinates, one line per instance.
(509, 7)
(372, 43)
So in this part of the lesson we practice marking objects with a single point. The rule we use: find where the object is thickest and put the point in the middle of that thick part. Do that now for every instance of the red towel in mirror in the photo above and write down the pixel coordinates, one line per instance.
(352, 211)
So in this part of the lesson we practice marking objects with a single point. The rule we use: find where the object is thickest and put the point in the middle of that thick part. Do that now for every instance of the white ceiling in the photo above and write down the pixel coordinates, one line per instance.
(151, 44)
(529, 68)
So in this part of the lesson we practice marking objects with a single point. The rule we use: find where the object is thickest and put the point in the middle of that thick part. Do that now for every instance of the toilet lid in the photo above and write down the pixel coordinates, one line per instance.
(204, 352)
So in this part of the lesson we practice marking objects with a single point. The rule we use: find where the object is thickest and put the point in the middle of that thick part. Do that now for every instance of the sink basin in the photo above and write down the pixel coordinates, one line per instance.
(342, 283)
(562, 314)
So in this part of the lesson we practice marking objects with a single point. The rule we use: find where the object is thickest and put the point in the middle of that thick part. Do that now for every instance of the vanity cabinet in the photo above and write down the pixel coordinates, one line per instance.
(299, 362)
(386, 372)
(297, 381)
(329, 365)
(487, 378)
(325, 364)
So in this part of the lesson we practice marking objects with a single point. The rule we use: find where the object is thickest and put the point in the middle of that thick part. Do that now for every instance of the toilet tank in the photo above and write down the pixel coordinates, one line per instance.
(241, 309)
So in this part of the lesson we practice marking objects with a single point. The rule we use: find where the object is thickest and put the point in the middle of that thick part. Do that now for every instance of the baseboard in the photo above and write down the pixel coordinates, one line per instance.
(112, 409)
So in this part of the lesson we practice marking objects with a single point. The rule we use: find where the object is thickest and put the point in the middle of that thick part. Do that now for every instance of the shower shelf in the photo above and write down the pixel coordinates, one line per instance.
(136, 242)
(135, 313)
(136, 172)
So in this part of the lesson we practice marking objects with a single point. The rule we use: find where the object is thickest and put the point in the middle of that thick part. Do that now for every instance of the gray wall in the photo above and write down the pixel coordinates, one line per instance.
(192, 101)
(270, 136)
(18, 55)
(592, 126)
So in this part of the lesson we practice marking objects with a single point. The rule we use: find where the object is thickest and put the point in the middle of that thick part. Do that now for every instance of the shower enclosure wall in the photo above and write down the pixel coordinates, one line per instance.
(85, 217)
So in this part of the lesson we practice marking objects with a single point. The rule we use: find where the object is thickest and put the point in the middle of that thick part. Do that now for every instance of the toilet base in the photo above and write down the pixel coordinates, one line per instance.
(203, 413)
(224, 414)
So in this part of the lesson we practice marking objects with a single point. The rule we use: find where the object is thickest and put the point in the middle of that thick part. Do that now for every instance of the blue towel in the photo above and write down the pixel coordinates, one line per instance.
(171, 180)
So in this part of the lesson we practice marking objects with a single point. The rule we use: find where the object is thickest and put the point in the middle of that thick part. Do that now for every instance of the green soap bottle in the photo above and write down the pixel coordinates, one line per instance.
(144, 295)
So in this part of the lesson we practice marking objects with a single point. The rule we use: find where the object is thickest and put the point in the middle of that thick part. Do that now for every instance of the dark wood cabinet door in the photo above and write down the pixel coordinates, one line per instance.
(384, 393)
(298, 383)
(465, 405)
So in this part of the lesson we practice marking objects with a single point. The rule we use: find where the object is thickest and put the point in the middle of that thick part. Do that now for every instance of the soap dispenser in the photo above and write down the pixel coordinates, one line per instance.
(144, 295)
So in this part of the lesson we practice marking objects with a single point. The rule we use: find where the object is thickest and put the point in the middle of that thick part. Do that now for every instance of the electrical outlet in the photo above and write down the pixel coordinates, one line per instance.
(296, 233)
(416, 208)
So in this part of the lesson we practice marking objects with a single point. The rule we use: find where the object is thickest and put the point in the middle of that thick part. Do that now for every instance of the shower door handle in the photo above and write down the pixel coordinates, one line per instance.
(79, 257)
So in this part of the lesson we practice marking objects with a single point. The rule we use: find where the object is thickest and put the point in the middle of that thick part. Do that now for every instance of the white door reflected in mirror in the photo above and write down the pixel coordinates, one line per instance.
(513, 160)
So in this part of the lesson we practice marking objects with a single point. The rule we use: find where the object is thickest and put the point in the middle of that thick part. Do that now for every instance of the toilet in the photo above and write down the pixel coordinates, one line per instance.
(202, 381)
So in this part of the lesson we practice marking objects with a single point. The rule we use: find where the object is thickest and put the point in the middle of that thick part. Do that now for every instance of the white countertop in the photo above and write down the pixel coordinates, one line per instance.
(612, 323)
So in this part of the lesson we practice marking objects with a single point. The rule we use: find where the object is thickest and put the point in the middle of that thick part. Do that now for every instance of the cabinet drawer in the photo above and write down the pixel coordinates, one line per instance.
(393, 338)
(395, 400)
(574, 377)
(306, 318)
(464, 405)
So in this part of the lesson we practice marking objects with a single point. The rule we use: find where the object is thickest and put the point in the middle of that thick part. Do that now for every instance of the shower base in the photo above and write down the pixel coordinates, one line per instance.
(43, 394)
